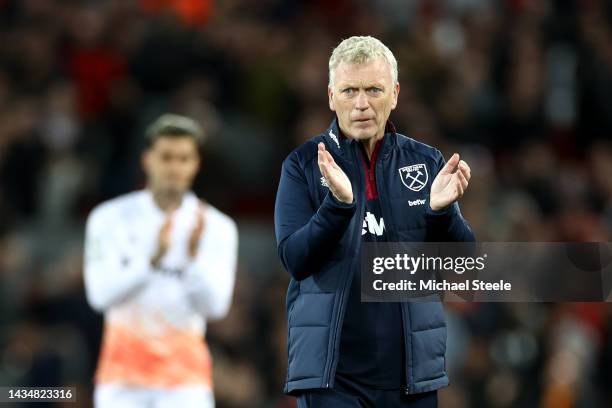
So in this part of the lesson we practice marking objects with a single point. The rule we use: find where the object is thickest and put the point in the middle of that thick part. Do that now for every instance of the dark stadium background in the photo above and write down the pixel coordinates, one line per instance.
(522, 88)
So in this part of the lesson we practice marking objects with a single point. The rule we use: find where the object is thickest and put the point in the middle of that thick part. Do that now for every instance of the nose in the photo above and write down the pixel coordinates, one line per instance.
(362, 101)
(175, 168)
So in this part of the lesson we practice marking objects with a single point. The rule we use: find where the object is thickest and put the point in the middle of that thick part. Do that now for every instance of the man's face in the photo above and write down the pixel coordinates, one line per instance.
(171, 164)
(363, 96)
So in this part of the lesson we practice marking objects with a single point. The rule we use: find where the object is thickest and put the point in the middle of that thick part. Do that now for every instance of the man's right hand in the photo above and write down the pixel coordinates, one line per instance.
(163, 240)
(339, 184)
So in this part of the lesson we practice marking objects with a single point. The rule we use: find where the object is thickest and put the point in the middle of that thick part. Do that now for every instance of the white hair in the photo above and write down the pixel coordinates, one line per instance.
(360, 50)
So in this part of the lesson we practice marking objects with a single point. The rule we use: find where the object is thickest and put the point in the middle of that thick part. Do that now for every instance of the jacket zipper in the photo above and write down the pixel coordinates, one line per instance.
(346, 284)
(393, 238)
(406, 351)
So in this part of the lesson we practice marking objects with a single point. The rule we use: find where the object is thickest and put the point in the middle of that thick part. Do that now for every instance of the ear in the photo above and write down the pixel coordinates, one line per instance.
(396, 91)
(330, 95)
(198, 156)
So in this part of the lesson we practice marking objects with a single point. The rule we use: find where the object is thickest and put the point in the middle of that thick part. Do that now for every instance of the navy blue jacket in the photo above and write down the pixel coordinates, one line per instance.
(319, 241)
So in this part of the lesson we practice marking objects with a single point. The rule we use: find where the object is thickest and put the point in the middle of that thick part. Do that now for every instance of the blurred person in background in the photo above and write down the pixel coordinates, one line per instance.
(360, 181)
(159, 263)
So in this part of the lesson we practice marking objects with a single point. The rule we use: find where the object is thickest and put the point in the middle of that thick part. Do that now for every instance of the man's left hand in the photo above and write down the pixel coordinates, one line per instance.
(450, 183)
(196, 233)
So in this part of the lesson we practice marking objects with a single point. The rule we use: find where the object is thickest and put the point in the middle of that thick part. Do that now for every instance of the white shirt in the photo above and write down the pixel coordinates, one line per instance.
(155, 318)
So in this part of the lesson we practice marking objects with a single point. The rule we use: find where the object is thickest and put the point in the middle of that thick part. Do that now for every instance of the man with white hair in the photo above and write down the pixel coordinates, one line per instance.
(159, 264)
(361, 181)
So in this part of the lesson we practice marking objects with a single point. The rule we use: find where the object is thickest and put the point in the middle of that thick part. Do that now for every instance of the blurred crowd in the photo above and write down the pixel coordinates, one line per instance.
(521, 88)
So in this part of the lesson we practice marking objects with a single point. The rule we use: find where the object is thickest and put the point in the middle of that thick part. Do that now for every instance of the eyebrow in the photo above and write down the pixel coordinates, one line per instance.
(345, 85)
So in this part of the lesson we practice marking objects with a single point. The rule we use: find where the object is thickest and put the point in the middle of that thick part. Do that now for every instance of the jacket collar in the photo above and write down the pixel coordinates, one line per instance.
(340, 144)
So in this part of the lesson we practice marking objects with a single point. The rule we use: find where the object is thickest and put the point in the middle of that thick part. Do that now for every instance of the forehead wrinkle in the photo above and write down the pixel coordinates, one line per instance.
(353, 74)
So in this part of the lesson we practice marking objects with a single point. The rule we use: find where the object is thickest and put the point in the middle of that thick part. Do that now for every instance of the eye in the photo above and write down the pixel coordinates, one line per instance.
(374, 90)
(349, 91)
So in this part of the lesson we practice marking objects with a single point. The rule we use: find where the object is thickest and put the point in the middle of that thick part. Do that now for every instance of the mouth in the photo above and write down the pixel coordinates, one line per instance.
(363, 122)
(173, 180)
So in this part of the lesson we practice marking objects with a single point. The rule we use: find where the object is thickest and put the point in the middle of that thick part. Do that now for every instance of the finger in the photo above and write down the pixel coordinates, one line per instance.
(196, 233)
(198, 229)
(466, 174)
(462, 180)
(323, 167)
(459, 186)
(451, 165)
(322, 154)
(199, 223)
(167, 223)
(321, 160)
(465, 169)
